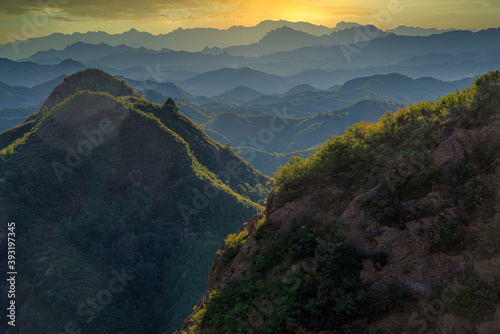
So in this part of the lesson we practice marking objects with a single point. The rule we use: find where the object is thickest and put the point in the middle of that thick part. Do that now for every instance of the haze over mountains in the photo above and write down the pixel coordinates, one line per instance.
(297, 53)
(191, 40)
(319, 73)
(139, 154)
(311, 115)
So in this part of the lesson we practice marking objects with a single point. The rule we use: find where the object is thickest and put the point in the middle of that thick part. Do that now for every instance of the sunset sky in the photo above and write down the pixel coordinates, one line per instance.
(21, 19)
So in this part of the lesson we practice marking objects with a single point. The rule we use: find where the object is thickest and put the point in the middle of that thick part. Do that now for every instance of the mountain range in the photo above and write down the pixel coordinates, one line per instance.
(191, 40)
(30, 74)
(351, 175)
(312, 115)
(81, 51)
(293, 134)
(214, 82)
(447, 56)
(122, 186)
(287, 39)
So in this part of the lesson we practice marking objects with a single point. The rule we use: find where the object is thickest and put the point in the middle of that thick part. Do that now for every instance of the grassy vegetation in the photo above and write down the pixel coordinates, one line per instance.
(478, 299)
(233, 242)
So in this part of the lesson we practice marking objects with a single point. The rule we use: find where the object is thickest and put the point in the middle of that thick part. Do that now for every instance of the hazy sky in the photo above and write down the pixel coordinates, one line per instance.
(21, 19)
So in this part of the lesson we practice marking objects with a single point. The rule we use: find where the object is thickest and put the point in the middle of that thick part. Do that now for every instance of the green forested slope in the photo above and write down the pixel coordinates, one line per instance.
(106, 182)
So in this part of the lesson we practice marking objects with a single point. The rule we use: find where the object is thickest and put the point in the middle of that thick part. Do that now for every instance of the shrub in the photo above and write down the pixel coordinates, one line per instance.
(477, 300)
(451, 236)
(488, 245)
(234, 242)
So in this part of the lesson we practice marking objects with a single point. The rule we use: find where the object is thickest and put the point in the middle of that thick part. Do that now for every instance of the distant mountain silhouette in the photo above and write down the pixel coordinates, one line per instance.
(216, 82)
(31, 74)
(281, 39)
(415, 31)
(238, 95)
(14, 96)
(180, 39)
(266, 162)
(387, 51)
(345, 25)
(300, 89)
(20, 97)
(10, 117)
(287, 39)
(167, 88)
(447, 67)
(446, 58)
(445, 86)
(84, 52)
(166, 61)
(318, 60)
(394, 87)
(299, 133)
(144, 72)
(51, 84)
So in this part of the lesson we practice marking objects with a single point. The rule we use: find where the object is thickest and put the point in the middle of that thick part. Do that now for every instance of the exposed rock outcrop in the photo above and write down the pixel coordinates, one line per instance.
(456, 146)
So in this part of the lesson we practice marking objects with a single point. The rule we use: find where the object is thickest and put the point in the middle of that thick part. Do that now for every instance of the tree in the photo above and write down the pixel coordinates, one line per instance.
(170, 105)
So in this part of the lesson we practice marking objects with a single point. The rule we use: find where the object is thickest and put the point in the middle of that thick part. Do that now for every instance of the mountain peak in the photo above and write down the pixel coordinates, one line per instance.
(70, 62)
(345, 25)
(300, 89)
(91, 79)
(285, 31)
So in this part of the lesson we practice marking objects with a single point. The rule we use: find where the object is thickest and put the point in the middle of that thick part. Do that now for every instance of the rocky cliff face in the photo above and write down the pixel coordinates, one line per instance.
(412, 248)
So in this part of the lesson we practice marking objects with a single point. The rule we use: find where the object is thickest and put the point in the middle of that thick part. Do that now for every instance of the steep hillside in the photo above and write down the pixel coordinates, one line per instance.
(392, 227)
(100, 183)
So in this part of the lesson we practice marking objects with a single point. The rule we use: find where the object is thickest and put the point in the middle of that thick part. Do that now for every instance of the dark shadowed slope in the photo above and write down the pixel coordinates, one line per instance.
(101, 181)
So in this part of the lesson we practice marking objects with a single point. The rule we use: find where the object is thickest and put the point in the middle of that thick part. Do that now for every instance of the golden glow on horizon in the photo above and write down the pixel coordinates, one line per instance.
(305, 11)
(163, 16)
